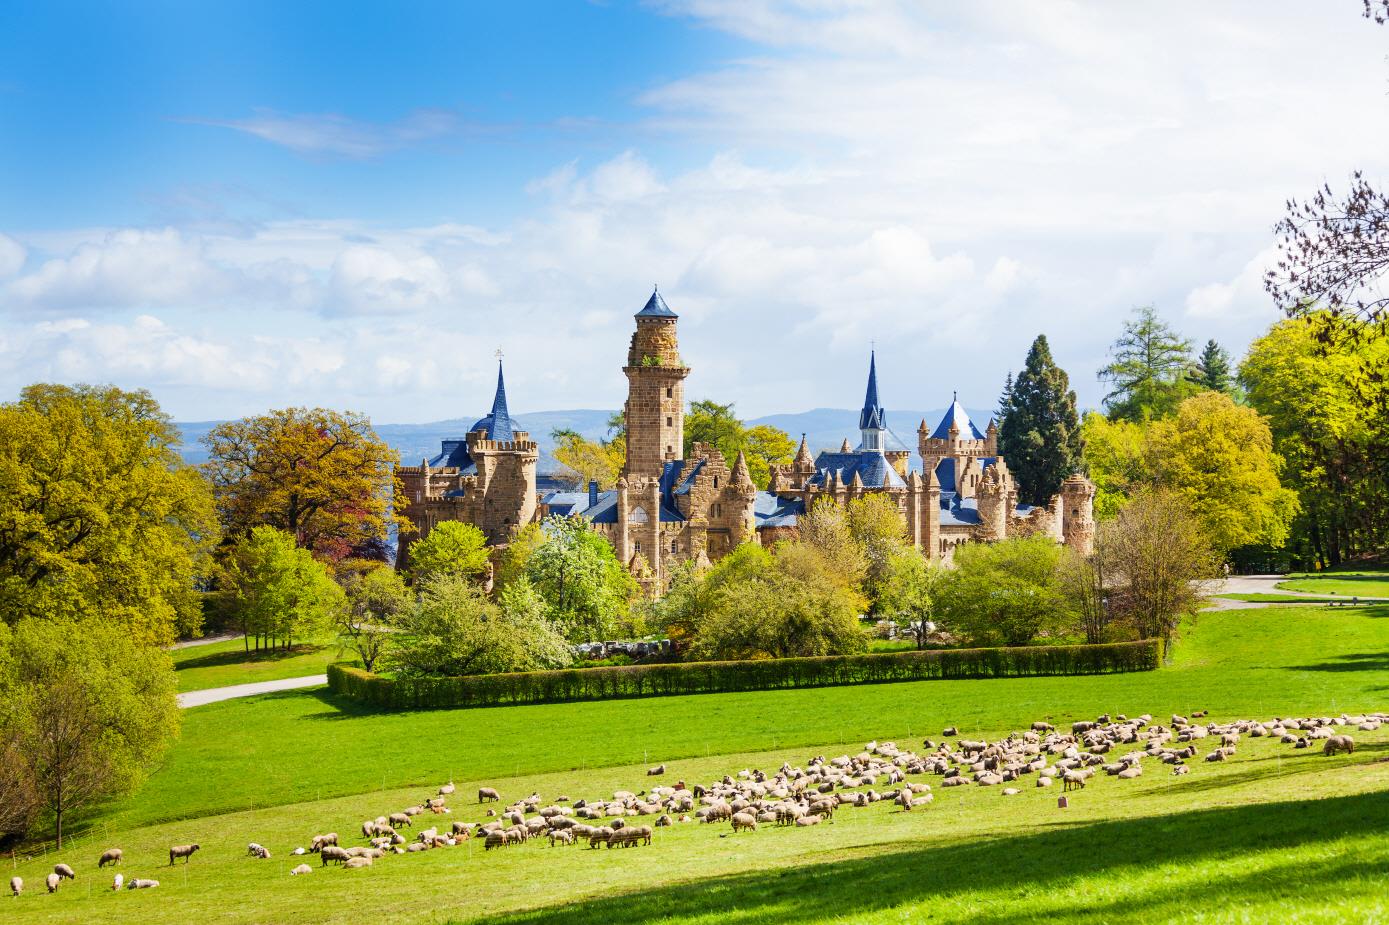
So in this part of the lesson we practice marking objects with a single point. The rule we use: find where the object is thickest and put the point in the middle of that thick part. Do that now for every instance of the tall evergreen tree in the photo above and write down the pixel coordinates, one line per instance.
(1212, 369)
(1039, 435)
(1148, 370)
(1005, 398)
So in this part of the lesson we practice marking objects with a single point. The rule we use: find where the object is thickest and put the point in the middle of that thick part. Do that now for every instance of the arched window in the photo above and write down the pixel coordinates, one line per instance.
(638, 516)
(674, 547)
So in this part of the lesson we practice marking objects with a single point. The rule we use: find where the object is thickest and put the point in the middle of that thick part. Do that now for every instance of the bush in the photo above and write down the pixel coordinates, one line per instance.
(728, 677)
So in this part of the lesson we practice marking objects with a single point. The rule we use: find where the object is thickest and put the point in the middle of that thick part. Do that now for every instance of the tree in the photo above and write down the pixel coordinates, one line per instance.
(452, 547)
(682, 613)
(321, 476)
(876, 527)
(1006, 593)
(576, 573)
(375, 601)
(515, 558)
(1212, 369)
(281, 592)
(99, 515)
(825, 527)
(1220, 458)
(86, 711)
(598, 461)
(1039, 434)
(1156, 562)
(762, 446)
(1005, 398)
(456, 630)
(908, 597)
(1116, 460)
(1082, 582)
(1148, 369)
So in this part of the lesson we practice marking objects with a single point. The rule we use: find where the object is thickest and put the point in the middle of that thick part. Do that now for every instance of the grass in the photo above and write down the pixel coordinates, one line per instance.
(1347, 584)
(1263, 598)
(1275, 834)
(220, 664)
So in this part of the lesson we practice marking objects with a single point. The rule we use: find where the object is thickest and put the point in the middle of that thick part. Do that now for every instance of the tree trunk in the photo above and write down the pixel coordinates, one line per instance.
(58, 825)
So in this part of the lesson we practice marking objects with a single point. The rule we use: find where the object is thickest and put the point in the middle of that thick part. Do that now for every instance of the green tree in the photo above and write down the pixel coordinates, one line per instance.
(875, 525)
(598, 461)
(86, 710)
(1039, 434)
(1212, 369)
(515, 558)
(281, 592)
(322, 476)
(825, 527)
(1219, 457)
(99, 516)
(456, 630)
(1006, 593)
(1147, 373)
(763, 446)
(375, 601)
(908, 596)
(1116, 460)
(577, 574)
(451, 546)
(693, 594)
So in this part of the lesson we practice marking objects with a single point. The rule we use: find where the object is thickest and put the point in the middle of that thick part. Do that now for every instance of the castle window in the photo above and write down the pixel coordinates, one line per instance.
(638, 516)
(670, 392)
(636, 547)
(674, 547)
(716, 481)
(670, 421)
(718, 510)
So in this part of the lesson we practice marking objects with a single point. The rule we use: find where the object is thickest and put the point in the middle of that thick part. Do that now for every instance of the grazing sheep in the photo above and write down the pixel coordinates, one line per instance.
(333, 853)
(16, 885)
(62, 870)
(1072, 780)
(142, 884)
(52, 882)
(562, 837)
(256, 850)
(301, 869)
(109, 856)
(117, 882)
(743, 821)
(1341, 743)
(322, 841)
(487, 794)
(182, 851)
(401, 820)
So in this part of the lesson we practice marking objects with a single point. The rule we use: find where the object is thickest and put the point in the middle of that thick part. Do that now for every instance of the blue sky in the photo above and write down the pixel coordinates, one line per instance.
(265, 204)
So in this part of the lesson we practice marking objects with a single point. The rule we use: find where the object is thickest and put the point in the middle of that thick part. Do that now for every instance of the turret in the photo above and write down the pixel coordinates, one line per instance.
(655, 410)
(1078, 514)
(872, 419)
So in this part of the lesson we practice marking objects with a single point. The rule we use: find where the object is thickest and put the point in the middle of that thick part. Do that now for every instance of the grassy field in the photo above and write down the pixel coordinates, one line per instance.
(219, 664)
(1275, 834)
(1345, 584)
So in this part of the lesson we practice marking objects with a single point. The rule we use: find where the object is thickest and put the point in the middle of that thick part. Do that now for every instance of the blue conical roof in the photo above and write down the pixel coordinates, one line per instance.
(498, 424)
(656, 307)
(956, 415)
(872, 417)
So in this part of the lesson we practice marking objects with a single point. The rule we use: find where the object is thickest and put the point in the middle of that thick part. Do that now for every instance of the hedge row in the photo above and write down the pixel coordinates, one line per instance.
(724, 677)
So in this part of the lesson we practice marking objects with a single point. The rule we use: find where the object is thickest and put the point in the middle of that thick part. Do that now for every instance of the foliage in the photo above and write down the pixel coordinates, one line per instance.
(1147, 372)
(876, 528)
(598, 461)
(825, 527)
(85, 711)
(1082, 581)
(1155, 559)
(682, 612)
(321, 476)
(1039, 431)
(763, 446)
(1329, 416)
(1116, 460)
(450, 547)
(1212, 369)
(375, 601)
(577, 574)
(1005, 593)
(456, 630)
(513, 560)
(744, 675)
(908, 596)
(1219, 457)
(99, 516)
(281, 591)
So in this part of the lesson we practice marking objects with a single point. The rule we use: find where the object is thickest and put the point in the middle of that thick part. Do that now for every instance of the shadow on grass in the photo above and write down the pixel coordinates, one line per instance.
(1040, 869)
(220, 659)
(1354, 661)
(1292, 763)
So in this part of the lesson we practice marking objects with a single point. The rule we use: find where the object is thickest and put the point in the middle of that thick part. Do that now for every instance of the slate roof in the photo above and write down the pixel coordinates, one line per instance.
(656, 307)
(945, 471)
(870, 465)
(957, 414)
(498, 425)
(872, 417)
(770, 511)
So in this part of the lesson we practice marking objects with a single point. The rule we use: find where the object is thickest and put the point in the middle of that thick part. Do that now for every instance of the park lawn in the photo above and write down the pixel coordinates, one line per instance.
(1346, 584)
(221, 664)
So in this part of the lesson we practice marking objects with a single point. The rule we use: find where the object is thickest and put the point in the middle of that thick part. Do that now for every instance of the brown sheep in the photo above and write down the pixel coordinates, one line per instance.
(110, 856)
(487, 794)
(322, 841)
(401, 820)
(182, 851)
(333, 853)
(1341, 743)
(62, 870)
(743, 821)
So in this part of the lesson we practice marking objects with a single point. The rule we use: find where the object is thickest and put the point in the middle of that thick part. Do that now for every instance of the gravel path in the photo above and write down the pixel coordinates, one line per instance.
(215, 694)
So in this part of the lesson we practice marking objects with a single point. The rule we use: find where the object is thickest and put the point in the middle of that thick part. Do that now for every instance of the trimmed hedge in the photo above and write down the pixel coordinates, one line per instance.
(726, 677)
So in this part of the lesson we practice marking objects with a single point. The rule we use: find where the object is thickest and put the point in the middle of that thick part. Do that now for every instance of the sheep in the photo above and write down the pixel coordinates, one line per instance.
(322, 841)
(16, 885)
(331, 853)
(496, 838)
(657, 771)
(807, 820)
(117, 882)
(950, 731)
(301, 869)
(446, 789)
(401, 820)
(487, 794)
(1073, 780)
(182, 851)
(561, 836)
(1180, 769)
(142, 884)
(1340, 743)
(52, 882)
(743, 821)
(356, 863)
(62, 870)
(109, 856)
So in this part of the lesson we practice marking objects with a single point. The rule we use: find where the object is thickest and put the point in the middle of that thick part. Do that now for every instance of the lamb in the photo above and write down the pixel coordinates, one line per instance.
(487, 794)
(142, 884)
(62, 870)
(301, 869)
(117, 882)
(1340, 743)
(109, 856)
(16, 885)
(182, 851)
(743, 821)
(257, 850)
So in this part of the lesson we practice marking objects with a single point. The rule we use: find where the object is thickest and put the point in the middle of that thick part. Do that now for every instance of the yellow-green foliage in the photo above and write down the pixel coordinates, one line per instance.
(451, 547)
(1116, 458)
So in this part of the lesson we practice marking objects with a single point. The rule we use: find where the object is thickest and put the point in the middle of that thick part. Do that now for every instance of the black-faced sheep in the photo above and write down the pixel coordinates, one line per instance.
(657, 771)
(16, 885)
(182, 851)
(62, 870)
(110, 856)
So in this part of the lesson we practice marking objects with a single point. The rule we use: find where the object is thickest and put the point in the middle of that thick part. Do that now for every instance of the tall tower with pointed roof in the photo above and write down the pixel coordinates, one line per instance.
(872, 420)
(655, 409)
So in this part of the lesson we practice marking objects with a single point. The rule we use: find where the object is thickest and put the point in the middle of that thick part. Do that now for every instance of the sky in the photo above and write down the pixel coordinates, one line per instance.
(265, 204)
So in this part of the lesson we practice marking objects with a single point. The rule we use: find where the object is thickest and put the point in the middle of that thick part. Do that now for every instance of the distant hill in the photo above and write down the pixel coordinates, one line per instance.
(824, 428)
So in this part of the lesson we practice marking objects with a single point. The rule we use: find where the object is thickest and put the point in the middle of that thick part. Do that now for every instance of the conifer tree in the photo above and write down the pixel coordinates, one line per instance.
(1212, 369)
(1005, 398)
(1039, 435)
(1148, 369)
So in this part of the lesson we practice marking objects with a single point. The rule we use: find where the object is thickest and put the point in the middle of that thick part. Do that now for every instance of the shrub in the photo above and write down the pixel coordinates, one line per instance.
(728, 677)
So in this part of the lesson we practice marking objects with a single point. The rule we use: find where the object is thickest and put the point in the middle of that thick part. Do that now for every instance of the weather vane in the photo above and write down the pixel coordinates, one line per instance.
(499, 354)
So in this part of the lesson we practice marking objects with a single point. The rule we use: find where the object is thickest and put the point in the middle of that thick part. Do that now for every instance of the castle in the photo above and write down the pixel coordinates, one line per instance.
(668, 507)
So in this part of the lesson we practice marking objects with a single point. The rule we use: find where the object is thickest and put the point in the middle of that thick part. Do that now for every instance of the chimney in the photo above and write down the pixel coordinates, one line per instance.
(592, 492)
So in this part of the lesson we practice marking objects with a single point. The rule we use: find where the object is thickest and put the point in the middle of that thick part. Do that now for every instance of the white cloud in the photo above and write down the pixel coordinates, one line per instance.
(333, 134)
(12, 256)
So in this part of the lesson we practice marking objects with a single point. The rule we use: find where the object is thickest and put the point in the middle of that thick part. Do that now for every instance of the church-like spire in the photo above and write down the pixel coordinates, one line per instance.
(501, 419)
(872, 416)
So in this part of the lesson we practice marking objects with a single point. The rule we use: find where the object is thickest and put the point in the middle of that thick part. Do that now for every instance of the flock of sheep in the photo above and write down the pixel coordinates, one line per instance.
(803, 796)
